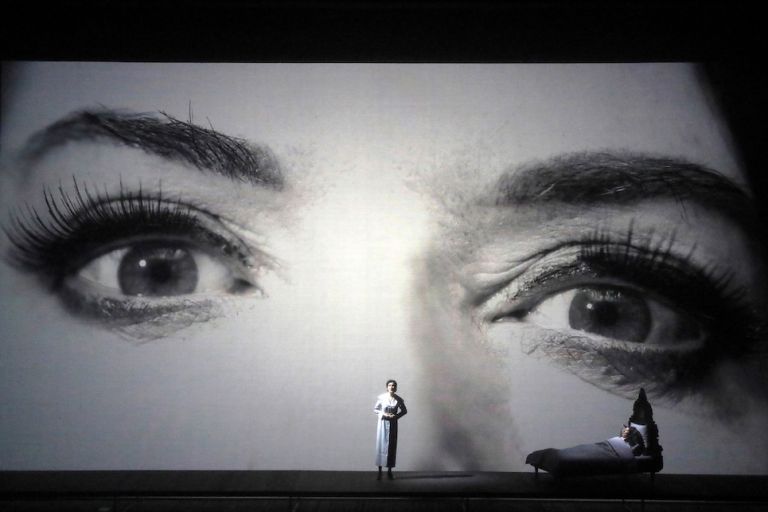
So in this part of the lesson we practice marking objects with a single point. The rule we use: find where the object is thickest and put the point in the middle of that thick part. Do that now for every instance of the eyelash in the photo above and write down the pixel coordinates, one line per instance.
(652, 266)
(706, 294)
(83, 226)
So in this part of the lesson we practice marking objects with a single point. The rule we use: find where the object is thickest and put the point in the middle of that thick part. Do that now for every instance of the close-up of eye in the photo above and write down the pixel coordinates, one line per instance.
(156, 269)
(104, 253)
(620, 313)
(616, 313)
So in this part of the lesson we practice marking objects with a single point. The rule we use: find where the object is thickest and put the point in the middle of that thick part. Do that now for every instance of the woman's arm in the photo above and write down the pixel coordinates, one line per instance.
(379, 410)
(402, 410)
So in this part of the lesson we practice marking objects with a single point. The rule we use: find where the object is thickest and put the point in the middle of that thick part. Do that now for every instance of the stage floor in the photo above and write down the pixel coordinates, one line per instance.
(116, 491)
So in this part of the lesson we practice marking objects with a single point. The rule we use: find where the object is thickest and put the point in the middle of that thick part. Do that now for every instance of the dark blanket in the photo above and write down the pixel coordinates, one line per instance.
(584, 459)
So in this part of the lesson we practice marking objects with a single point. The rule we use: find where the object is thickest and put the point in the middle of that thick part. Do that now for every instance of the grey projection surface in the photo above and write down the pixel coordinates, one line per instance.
(445, 225)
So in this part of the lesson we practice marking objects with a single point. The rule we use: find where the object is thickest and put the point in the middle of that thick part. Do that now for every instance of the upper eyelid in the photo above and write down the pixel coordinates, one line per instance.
(31, 238)
(635, 256)
(631, 239)
(479, 287)
(85, 199)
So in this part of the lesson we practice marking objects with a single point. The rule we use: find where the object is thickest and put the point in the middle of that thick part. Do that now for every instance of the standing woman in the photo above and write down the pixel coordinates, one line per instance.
(390, 408)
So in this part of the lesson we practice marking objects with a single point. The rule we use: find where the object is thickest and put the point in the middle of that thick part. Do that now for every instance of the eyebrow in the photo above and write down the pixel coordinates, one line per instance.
(163, 135)
(596, 178)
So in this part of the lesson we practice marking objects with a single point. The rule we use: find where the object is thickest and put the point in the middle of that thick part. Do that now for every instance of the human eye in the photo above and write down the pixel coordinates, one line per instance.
(133, 257)
(619, 312)
(624, 312)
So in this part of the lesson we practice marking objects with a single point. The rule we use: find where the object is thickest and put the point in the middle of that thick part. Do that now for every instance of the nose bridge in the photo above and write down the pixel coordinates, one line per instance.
(371, 235)
(358, 240)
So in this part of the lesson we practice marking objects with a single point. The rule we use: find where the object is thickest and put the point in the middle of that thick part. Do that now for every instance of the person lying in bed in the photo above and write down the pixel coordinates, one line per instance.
(629, 443)
(635, 450)
(634, 439)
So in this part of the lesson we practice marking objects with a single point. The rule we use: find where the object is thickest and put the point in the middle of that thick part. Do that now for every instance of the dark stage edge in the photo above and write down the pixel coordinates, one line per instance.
(122, 491)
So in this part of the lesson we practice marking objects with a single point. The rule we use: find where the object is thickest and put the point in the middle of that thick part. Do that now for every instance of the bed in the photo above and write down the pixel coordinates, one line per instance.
(638, 452)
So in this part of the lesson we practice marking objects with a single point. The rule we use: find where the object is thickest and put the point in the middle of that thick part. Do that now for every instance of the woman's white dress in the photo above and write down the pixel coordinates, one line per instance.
(386, 430)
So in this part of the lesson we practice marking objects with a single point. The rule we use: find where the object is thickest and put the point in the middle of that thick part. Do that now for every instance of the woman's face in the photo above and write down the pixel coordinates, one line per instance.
(391, 387)
(526, 245)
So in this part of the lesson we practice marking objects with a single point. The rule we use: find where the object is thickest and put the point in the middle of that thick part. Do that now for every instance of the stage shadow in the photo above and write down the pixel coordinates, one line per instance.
(436, 476)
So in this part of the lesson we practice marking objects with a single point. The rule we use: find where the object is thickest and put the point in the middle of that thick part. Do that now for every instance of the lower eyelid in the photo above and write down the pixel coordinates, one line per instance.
(688, 380)
(617, 367)
(140, 319)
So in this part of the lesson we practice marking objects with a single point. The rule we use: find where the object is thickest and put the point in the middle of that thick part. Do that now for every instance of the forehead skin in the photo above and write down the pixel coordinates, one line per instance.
(383, 118)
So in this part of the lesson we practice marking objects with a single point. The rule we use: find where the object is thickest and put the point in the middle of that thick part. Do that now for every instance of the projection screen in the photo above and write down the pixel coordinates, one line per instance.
(219, 266)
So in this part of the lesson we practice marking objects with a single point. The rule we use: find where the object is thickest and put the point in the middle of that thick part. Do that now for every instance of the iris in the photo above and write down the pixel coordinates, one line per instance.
(613, 313)
(155, 270)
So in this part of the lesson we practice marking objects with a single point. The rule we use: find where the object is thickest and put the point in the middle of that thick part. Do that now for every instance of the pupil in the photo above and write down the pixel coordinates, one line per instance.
(157, 270)
(160, 272)
(605, 313)
(617, 314)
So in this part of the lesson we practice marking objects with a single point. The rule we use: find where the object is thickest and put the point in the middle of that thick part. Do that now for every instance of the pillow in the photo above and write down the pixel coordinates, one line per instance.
(643, 429)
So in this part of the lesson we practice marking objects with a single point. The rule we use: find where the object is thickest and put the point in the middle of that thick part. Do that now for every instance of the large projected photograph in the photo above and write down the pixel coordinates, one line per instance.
(266, 266)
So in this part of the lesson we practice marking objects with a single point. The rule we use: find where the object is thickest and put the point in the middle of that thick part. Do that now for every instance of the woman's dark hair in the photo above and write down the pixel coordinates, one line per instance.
(392, 381)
